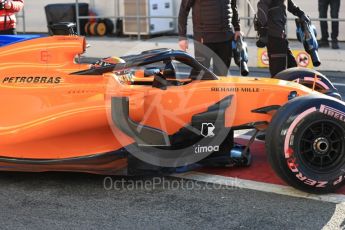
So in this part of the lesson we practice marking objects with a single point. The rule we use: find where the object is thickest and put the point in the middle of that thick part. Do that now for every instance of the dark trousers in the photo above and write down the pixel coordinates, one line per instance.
(8, 32)
(323, 8)
(220, 53)
(280, 55)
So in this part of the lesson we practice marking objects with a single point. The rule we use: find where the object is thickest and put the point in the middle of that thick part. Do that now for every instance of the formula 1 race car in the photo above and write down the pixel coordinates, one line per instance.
(161, 112)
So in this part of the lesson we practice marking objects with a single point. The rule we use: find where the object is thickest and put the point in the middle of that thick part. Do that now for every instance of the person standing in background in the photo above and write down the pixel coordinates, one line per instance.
(271, 25)
(8, 9)
(215, 24)
(323, 9)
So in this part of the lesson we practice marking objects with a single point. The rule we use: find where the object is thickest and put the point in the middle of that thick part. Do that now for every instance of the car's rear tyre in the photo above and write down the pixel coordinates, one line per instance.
(305, 143)
(307, 78)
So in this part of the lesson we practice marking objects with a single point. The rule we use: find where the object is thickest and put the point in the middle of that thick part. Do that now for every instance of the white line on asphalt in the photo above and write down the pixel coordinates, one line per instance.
(337, 220)
(260, 186)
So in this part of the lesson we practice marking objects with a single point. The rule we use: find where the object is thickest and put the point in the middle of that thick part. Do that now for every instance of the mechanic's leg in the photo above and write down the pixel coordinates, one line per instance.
(222, 60)
(277, 52)
(202, 54)
(291, 59)
(218, 66)
(221, 63)
(323, 8)
(335, 6)
(223, 51)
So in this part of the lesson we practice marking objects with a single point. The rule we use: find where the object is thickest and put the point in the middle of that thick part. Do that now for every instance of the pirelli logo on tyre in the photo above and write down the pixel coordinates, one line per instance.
(332, 112)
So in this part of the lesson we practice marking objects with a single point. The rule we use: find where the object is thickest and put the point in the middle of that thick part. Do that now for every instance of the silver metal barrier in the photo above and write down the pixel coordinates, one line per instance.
(22, 17)
(77, 16)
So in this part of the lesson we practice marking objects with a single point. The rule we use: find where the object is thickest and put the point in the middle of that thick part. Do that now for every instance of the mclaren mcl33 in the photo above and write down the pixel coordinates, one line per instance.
(161, 112)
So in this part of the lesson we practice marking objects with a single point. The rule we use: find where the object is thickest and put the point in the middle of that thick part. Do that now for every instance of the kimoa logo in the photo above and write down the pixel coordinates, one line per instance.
(206, 149)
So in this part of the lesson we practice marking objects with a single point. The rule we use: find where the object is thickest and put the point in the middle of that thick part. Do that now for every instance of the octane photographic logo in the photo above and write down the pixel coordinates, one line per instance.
(162, 183)
(167, 119)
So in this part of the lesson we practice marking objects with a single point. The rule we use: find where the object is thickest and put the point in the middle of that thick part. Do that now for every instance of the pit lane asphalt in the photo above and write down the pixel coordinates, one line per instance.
(81, 201)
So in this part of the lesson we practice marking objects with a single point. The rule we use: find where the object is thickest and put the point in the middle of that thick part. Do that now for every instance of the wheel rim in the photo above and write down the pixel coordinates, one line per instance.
(321, 145)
